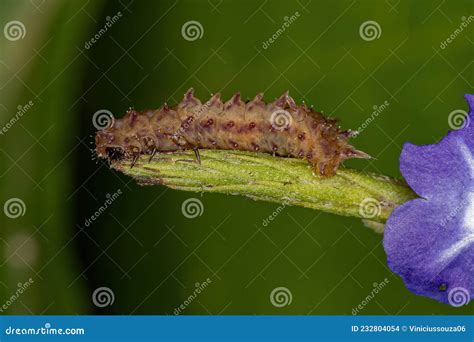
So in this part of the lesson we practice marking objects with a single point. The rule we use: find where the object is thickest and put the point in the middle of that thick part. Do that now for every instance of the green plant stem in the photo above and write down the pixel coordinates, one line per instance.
(267, 178)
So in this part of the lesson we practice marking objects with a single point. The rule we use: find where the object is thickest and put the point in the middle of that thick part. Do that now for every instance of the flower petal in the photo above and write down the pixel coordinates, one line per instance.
(430, 241)
(427, 249)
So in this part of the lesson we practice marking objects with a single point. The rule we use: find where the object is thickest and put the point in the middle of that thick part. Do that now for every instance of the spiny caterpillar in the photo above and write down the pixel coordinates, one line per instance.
(281, 128)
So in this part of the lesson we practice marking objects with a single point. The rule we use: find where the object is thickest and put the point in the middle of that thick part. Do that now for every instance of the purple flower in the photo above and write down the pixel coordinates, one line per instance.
(429, 241)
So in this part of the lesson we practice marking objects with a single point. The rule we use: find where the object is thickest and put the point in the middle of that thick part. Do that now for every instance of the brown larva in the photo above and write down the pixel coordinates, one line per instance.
(281, 128)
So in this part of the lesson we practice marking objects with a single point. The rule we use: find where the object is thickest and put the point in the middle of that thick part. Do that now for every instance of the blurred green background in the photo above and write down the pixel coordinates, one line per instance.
(142, 247)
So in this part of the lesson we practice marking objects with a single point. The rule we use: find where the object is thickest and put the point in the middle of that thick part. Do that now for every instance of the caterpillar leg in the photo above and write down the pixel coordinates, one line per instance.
(196, 153)
(134, 160)
(152, 155)
(324, 168)
(198, 156)
(135, 152)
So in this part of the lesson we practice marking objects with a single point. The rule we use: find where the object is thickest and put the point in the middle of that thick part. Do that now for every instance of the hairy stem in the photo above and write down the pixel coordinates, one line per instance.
(267, 178)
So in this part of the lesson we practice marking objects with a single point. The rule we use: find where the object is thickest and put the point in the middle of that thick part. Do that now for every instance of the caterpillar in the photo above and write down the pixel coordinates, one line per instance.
(281, 128)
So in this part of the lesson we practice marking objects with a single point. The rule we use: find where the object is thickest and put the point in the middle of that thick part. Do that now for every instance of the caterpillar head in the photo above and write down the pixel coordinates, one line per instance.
(126, 138)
